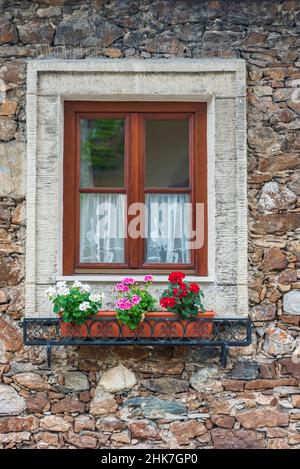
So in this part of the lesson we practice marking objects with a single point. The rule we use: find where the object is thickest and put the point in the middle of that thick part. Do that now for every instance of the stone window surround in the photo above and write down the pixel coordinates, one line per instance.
(219, 82)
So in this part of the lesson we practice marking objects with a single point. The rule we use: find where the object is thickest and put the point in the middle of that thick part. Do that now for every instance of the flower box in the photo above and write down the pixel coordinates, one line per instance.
(158, 324)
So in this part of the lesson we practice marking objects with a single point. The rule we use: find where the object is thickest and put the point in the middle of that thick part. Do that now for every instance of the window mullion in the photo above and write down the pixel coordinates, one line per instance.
(135, 186)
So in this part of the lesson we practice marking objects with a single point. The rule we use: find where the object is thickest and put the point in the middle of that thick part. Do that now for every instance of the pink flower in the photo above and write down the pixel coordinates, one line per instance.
(135, 299)
(128, 281)
(148, 278)
(123, 303)
(121, 287)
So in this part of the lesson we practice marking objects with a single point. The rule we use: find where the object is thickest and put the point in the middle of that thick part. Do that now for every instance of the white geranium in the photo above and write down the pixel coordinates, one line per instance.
(84, 306)
(50, 293)
(77, 284)
(61, 284)
(97, 297)
(85, 287)
(63, 291)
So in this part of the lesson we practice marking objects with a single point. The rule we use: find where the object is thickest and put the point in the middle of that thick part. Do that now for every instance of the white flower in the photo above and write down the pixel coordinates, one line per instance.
(50, 293)
(85, 287)
(97, 297)
(61, 284)
(63, 291)
(77, 284)
(84, 306)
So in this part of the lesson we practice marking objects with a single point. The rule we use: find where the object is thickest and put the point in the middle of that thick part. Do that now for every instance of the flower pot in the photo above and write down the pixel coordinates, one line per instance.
(158, 324)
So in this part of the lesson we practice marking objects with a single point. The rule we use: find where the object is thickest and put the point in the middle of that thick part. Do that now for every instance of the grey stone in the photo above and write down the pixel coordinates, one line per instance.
(291, 302)
(118, 379)
(246, 370)
(165, 43)
(87, 30)
(154, 408)
(286, 390)
(10, 401)
(275, 197)
(12, 172)
(264, 140)
(8, 129)
(294, 184)
(16, 367)
(166, 385)
(76, 381)
(239, 13)
(15, 437)
(202, 353)
(266, 311)
(49, 12)
(200, 379)
(278, 341)
(189, 32)
(3, 353)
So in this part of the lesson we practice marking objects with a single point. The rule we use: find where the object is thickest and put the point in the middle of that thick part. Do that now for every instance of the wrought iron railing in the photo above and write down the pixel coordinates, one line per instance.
(101, 331)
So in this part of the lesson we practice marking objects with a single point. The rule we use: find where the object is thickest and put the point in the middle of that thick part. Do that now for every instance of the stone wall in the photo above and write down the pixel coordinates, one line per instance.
(169, 397)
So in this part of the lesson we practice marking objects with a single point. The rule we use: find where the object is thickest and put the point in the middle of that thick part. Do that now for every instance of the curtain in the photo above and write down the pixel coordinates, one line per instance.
(102, 228)
(169, 220)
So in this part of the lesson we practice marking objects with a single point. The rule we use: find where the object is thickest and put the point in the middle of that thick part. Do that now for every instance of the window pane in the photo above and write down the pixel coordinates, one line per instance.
(168, 222)
(102, 227)
(102, 153)
(167, 153)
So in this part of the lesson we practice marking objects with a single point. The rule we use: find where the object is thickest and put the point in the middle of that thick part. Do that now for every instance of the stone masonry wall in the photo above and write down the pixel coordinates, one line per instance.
(162, 397)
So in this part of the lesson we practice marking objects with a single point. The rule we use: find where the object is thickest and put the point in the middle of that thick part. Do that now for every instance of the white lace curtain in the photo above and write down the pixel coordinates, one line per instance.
(169, 218)
(102, 226)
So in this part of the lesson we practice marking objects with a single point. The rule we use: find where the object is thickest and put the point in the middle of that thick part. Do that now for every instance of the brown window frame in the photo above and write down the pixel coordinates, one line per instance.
(134, 113)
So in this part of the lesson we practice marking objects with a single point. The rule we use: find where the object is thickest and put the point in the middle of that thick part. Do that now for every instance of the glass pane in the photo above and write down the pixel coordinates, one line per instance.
(102, 228)
(102, 153)
(169, 220)
(167, 153)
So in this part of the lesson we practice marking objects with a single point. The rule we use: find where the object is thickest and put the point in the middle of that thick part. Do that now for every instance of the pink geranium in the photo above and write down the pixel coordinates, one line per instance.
(128, 281)
(148, 278)
(121, 287)
(135, 299)
(123, 303)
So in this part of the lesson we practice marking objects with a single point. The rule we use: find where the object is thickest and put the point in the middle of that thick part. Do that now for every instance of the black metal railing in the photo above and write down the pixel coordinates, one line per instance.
(101, 331)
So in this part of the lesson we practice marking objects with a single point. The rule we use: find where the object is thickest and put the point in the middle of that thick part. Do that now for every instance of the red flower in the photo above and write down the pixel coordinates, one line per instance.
(175, 291)
(172, 302)
(194, 287)
(167, 302)
(163, 302)
(176, 277)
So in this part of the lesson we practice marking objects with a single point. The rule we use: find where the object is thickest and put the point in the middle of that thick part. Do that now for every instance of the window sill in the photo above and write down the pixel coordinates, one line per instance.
(109, 278)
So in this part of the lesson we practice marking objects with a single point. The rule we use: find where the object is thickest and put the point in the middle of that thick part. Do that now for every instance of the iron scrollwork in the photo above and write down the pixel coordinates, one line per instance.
(214, 332)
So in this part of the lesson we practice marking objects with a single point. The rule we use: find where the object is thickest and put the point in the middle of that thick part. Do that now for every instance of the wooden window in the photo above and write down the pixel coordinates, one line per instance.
(118, 154)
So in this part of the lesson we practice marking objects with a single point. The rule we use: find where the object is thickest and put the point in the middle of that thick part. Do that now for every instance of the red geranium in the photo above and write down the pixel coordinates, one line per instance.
(194, 287)
(167, 302)
(181, 297)
(176, 277)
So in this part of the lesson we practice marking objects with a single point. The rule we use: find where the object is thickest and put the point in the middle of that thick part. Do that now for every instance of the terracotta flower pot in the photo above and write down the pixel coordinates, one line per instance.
(156, 324)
